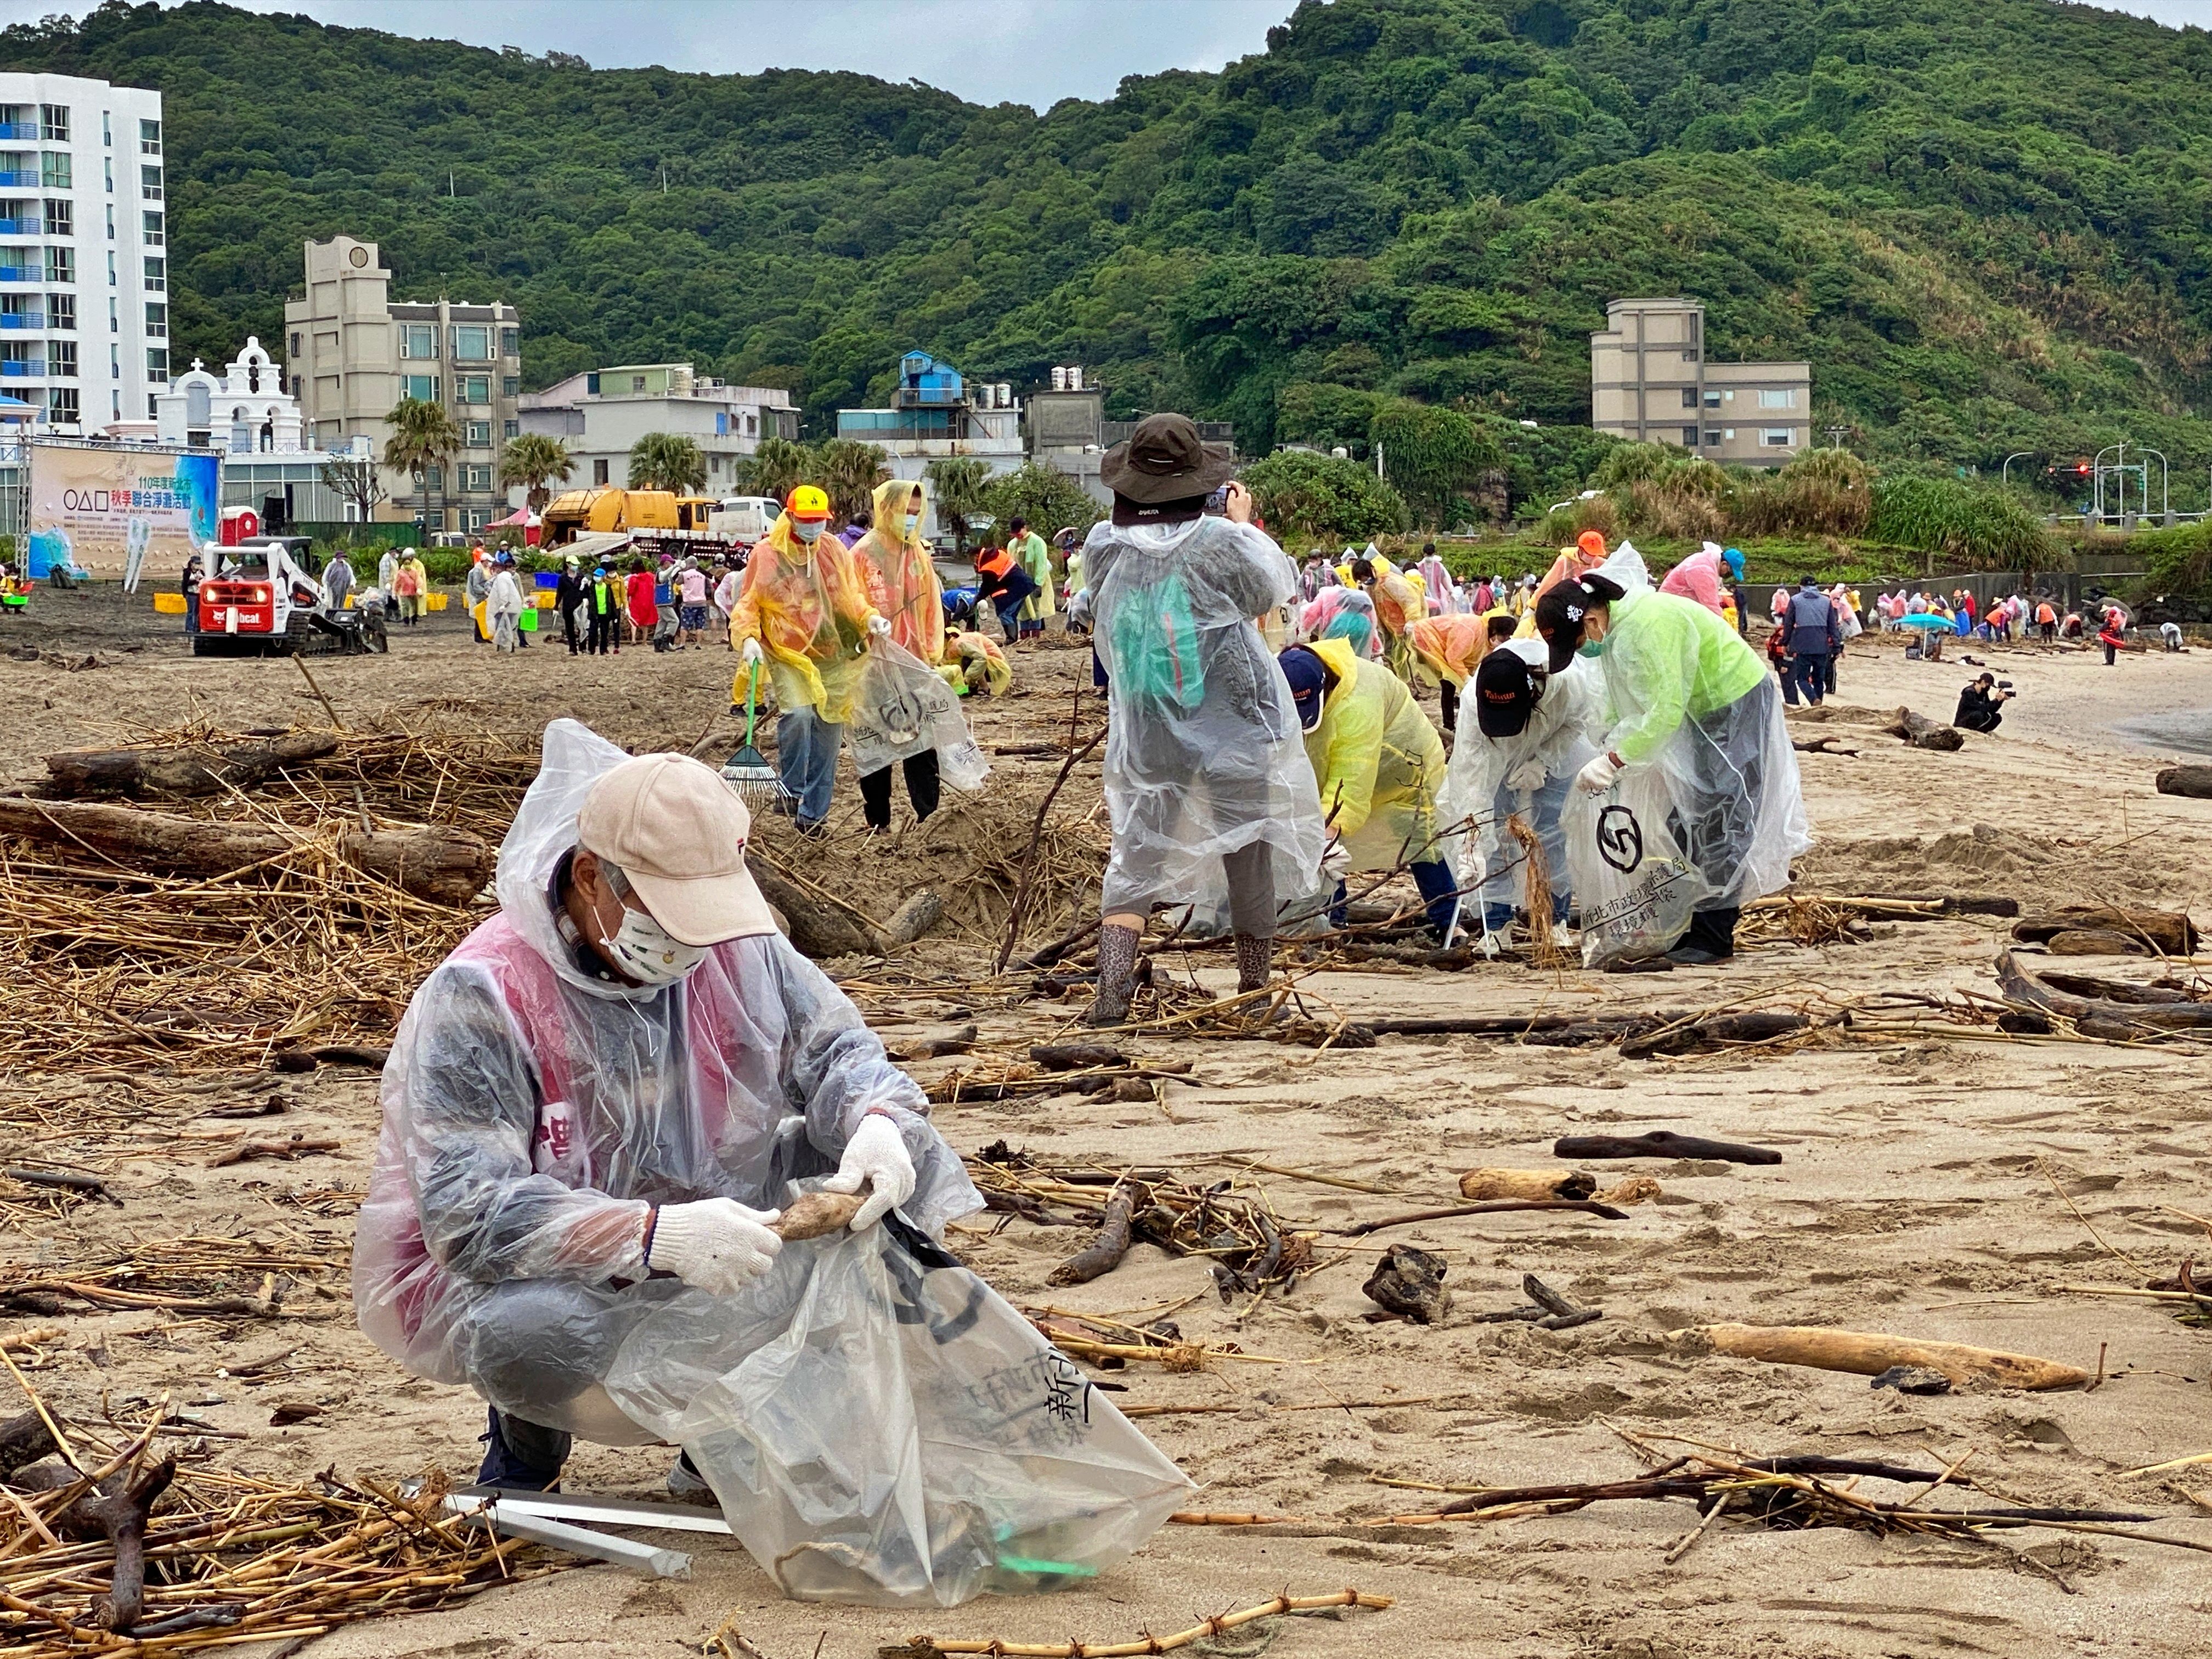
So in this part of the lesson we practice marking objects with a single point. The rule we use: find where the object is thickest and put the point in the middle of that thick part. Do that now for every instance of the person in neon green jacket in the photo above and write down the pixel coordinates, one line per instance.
(1379, 765)
(1686, 694)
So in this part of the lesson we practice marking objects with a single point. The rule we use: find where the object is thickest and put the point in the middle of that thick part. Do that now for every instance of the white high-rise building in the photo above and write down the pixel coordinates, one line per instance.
(84, 277)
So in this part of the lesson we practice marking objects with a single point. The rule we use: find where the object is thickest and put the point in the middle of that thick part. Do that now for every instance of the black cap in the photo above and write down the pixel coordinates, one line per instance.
(1560, 612)
(1504, 693)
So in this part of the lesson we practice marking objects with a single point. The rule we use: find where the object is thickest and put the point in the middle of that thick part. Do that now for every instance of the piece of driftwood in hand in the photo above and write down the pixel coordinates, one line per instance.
(1410, 1282)
(811, 1215)
(2192, 780)
(817, 930)
(1103, 1253)
(117, 1510)
(2026, 989)
(1582, 1206)
(1759, 1026)
(1527, 1183)
(1923, 733)
(1661, 1143)
(193, 769)
(2170, 932)
(445, 865)
(1871, 1353)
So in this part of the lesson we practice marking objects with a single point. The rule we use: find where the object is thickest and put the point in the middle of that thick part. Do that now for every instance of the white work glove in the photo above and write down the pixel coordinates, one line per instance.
(879, 627)
(1335, 864)
(1597, 777)
(716, 1244)
(1528, 775)
(748, 653)
(876, 1155)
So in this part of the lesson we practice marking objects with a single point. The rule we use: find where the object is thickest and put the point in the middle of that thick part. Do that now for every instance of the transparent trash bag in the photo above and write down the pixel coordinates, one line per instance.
(1635, 888)
(881, 1427)
(902, 707)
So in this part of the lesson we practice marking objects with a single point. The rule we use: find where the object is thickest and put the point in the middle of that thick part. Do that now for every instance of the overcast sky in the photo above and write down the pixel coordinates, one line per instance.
(1032, 52)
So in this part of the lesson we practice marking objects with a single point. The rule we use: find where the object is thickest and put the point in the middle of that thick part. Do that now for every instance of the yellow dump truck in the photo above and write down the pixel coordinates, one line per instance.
(651, 519)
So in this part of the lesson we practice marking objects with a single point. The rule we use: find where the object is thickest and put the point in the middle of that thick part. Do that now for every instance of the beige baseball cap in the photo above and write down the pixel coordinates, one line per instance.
(678, 831)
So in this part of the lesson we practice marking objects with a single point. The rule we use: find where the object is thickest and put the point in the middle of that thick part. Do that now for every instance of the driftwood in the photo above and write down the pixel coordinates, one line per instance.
(952, 1042)
(1104, 1253)
(2192, 780)
(1586, 1205)
(1661, 1143)
(23, 1440)
(182, 769)
(2169, 932)
(1870, 1354)
(245, 1151)
(817, 930)
(67, 1180)
(1410, 1282)
(810, 1215)
(1757, 1027)
(2095, 942)
(117, 1510)
(1837, 744)
(1923, 733)
(1527, 1183)
(1077, 1056)
(1548, 1309)
(921, 913)
(2043, 994)
(446, 865)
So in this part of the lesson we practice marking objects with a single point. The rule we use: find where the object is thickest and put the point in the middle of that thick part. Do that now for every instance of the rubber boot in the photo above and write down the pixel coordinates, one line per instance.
(1255, 961)
(523, 1456)
(1117, 972)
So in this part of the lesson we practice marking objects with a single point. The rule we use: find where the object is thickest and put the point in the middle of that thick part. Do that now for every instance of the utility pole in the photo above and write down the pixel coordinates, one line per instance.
(1835, 435)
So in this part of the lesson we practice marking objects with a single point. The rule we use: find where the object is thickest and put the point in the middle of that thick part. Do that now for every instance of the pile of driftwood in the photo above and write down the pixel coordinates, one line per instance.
(106, 1547)
(245, 1277)
(1249, 1247)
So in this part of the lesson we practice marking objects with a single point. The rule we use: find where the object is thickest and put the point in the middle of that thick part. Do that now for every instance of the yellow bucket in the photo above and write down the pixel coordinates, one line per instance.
(169, 604)
(436, 601)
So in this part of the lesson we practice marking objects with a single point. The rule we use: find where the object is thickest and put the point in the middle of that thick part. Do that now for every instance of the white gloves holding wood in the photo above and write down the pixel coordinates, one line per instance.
(875, 1157)
(1528, 775)
(716, 1244)
(1597, 777)
(1335, 864)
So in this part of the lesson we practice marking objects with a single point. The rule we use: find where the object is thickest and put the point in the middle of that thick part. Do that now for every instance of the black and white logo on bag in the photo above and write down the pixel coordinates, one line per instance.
(1619, 839)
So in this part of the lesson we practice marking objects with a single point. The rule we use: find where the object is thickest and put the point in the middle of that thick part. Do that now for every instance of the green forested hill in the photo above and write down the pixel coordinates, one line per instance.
(1986, 222)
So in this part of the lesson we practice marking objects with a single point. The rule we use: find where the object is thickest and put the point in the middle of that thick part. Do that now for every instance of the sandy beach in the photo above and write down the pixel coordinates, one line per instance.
(1941, 1184)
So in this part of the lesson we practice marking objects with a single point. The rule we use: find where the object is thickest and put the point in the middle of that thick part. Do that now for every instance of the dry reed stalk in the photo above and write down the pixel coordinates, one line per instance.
(920, 1647)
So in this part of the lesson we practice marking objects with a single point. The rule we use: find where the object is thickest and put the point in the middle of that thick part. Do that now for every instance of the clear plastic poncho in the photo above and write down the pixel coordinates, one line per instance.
(810, 610)
(533, 1111)
(1559, 737)
(1378, 763)
(902, 580)
(1203, 754)
(1685, 696)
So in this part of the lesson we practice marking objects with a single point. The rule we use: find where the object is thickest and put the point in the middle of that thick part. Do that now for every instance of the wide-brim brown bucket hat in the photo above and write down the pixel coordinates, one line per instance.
(1165, 461)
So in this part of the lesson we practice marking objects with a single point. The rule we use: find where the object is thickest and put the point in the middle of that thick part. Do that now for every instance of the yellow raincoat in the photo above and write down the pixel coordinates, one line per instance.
(809, 608)
(895, 568)
(1378, 761)
(979, 656)
(1448, 648)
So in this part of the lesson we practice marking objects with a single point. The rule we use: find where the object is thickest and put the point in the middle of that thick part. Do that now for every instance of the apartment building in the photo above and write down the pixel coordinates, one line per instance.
(84, 281)
(353, 353)
(599, 414)
(1650, 380)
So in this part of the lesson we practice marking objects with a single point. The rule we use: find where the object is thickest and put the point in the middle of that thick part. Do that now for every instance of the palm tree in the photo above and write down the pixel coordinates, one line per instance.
(423, 435)
(779, 466)
(850, 470)
(534, 461)
(956, 484)
(667, 460)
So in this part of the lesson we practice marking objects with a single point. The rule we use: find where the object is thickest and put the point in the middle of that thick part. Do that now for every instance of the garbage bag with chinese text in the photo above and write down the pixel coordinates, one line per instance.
(881, 1427)
(1635, 888)
(900, 708)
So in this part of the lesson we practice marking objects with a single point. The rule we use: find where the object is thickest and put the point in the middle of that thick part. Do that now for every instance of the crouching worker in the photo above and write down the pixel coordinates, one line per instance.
(1685, 695)
(597, 1099)
(1379, 765)
(1524, 735)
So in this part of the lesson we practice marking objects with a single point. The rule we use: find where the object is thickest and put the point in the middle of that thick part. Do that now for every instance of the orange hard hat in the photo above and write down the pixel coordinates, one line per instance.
(1591, 543)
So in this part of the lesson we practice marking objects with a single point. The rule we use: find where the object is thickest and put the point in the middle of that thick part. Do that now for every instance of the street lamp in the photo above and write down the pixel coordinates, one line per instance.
(2004, 471)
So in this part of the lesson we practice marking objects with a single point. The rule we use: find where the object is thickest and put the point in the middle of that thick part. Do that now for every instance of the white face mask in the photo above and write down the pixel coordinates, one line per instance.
(806, 529)
(649, 953)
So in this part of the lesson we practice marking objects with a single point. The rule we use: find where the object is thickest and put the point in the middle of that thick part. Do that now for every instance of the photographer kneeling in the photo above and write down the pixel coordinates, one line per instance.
(1981, 705)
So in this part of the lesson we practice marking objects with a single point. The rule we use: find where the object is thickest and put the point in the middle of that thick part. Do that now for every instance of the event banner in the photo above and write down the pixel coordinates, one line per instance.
(113, 510)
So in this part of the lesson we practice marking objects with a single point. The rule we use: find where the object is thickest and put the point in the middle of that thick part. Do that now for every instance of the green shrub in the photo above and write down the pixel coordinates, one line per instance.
(1308, 499)
(1975, 524)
